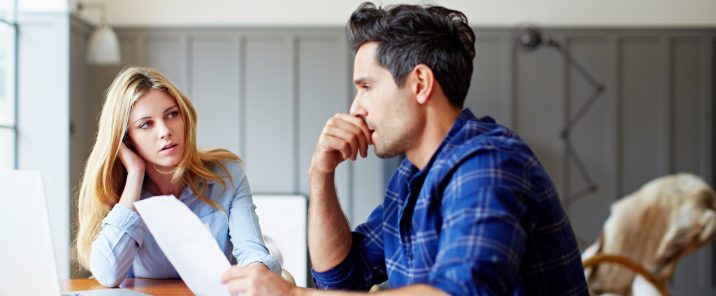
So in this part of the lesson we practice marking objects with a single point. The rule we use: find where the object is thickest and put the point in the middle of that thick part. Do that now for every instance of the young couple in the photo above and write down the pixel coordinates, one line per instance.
(470, 210)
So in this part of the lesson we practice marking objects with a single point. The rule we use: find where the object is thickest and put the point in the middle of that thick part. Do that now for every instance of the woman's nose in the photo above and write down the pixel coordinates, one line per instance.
(163, 130)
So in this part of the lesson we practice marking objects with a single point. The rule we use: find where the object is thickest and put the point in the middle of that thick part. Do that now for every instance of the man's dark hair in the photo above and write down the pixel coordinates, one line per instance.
(409, 35)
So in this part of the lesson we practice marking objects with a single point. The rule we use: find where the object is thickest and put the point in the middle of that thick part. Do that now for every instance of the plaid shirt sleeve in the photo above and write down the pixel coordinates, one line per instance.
(482, 241)
(365, 264)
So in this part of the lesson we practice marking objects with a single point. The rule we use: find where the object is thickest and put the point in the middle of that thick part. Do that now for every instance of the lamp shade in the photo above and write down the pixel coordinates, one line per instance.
(103, 48)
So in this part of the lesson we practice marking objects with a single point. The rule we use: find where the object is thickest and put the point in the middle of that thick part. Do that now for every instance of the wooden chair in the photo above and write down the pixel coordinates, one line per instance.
(648, 231)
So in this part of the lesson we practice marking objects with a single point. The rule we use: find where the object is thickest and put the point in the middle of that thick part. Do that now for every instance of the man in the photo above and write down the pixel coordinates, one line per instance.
(470, 210)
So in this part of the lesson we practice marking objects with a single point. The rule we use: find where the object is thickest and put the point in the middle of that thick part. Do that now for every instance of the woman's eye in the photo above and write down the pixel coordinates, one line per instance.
(173, 114)
(145, 124)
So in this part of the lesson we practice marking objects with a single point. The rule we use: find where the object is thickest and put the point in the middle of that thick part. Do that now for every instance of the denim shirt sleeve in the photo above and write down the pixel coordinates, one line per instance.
(244, 229)
(482, 241)
(115, 247)
(364, 266)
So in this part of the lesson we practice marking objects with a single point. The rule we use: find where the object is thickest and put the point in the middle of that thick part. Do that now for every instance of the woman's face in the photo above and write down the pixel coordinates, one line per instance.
(156, 129)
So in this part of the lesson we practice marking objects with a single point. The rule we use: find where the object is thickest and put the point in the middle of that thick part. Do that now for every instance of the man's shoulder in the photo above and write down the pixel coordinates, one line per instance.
(481, 150)
(480, 139)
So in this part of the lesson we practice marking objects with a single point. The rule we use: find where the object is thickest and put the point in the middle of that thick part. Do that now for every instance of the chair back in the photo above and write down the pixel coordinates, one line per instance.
(653, 227)
(283, 220)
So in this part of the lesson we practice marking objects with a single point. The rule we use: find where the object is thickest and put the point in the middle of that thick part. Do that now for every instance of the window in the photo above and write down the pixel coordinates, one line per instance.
(8, 93)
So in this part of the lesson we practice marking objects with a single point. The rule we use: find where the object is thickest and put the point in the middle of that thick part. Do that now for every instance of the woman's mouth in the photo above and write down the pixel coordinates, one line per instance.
(169, 148)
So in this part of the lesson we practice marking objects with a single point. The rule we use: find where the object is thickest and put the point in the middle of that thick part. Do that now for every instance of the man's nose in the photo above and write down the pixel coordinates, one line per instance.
(357, 107)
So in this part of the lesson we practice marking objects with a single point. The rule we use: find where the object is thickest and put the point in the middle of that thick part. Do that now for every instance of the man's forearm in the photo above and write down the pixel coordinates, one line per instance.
(329, 236)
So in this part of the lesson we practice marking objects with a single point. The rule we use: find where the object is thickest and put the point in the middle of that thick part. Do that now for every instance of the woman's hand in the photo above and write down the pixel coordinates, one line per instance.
(135, 166)
(131, 160)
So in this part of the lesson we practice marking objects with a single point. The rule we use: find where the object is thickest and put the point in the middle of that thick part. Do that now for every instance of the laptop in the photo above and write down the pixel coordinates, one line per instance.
(28, 259)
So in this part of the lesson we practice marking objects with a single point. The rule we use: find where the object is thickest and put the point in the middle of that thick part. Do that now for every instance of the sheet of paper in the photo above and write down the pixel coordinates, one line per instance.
(186, 242)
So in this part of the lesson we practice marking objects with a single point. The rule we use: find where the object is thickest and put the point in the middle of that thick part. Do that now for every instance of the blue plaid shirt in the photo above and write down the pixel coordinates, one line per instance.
(481, 218)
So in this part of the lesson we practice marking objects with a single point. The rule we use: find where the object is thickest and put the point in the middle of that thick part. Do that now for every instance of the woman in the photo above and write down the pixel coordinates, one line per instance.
(146, 146)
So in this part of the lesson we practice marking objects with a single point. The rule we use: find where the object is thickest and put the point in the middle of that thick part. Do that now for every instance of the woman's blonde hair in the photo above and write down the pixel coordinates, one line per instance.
(104, 176)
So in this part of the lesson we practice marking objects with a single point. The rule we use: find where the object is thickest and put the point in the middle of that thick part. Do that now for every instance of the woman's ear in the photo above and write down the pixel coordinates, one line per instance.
(424, 83)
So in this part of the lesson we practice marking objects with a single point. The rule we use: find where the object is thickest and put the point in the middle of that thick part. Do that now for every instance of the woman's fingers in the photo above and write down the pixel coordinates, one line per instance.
(130, 159)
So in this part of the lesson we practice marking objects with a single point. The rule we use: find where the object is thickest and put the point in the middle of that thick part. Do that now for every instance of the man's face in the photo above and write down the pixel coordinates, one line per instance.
(390, 112)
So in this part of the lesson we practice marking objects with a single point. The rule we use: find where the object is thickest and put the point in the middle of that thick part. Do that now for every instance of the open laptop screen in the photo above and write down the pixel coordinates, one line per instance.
(26, 252)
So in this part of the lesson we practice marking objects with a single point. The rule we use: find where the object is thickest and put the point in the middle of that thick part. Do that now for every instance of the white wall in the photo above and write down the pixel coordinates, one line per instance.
(43, 117)
(42, 5)
(599, 13)
(43, 110)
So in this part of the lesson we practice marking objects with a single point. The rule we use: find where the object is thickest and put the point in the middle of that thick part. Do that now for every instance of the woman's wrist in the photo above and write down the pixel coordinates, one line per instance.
(135, 173)
(132, 189)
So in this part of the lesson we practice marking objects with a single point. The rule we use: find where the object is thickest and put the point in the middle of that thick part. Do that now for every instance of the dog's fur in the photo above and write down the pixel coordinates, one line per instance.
(654, 226)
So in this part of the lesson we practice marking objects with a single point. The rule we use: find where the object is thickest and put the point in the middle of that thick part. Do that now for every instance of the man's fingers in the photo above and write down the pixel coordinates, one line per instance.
(234, 272)
(352, 121)
(346, 129)
(340, 145)
(350, 142)
(338, 140)
(362, 145)
(236, 287)
(360, 123)
(365, 137)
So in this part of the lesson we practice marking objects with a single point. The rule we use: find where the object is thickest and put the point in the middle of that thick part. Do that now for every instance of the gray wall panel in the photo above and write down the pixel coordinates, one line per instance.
(167, 54)
(644, 112)
(321, 93)
(539, 109)
(490, 92)
(214, 78)
(688, 103)
(589, 137)
(129, 46)
(270, 118)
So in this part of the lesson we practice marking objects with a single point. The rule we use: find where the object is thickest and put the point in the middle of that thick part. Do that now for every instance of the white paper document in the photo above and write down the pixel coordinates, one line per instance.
(186, 242)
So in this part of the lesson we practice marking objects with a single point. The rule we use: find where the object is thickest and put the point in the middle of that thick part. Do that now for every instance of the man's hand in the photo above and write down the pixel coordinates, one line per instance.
(329, 235)
(256, 279)
(343, 137)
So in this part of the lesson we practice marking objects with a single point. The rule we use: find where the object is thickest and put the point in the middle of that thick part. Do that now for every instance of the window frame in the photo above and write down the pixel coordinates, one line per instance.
(9, 20)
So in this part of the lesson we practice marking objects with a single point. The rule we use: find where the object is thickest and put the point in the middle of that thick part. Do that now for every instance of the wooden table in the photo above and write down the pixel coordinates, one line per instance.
(147, 286)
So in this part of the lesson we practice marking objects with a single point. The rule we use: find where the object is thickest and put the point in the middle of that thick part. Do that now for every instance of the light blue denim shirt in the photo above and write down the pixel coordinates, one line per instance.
(126, 248)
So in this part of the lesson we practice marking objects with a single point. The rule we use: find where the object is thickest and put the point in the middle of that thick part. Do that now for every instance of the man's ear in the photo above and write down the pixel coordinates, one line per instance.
(424, 83)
